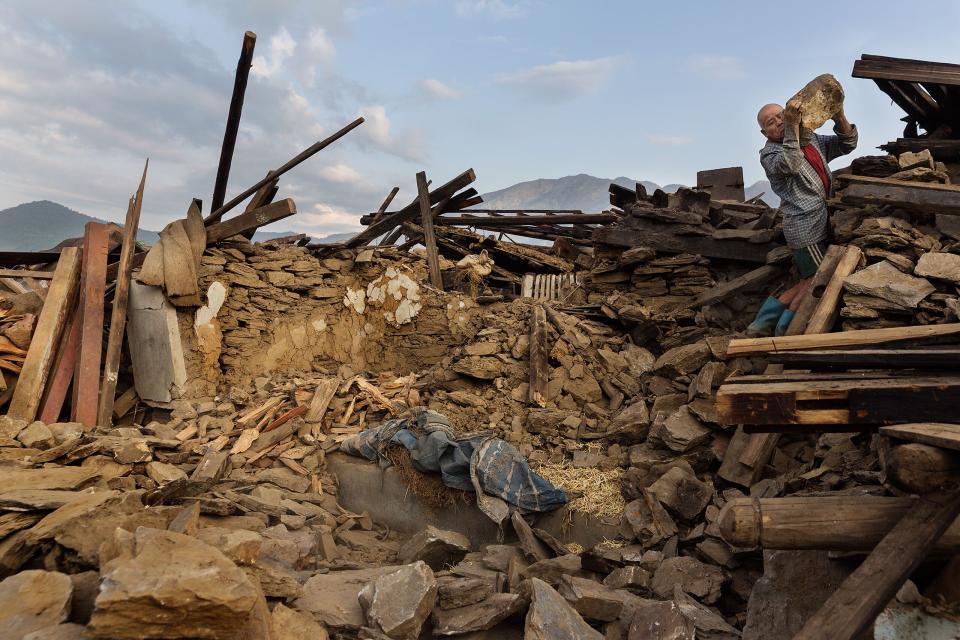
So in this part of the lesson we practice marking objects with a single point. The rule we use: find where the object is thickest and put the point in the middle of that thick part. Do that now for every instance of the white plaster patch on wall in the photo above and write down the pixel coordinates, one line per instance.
(397, 295)
(355, 299)
(319, 325)
(216, 294)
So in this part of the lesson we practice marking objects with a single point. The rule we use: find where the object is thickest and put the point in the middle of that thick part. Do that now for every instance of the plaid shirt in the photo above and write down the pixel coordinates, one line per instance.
(803, 199)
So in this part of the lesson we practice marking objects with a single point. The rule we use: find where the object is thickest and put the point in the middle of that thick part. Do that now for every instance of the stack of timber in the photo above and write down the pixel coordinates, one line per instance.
(927, 92)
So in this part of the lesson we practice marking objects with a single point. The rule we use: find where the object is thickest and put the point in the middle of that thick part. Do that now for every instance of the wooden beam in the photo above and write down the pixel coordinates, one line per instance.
(217, 214)
(751, 279)
(540, 220)
(937, 434)
(856, 401)
(811, 297)
(854, 606)
(25, 273)
(429, 238)
(251, 220)
(36, 368)
(408, 213)
(869, 359)
(825, 315)
(759, 346)
(825, 522)
(922, 468)
(386, 203)
(233, 118)
(118, 315)
(94, 283)
(539, 367)
(63, 368)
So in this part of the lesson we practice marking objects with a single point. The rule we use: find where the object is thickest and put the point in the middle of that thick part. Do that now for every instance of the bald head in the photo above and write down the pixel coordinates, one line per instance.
(770, 119)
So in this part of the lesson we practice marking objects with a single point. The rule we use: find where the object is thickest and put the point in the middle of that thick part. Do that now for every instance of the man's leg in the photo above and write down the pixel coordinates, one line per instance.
(808, 260)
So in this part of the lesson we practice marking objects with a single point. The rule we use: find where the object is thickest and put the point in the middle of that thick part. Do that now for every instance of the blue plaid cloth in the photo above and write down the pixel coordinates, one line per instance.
(803, 200)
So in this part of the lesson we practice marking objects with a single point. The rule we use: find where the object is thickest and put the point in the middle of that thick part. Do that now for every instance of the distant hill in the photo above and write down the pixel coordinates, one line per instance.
(584, 192)
(260, 236)
(35, 226)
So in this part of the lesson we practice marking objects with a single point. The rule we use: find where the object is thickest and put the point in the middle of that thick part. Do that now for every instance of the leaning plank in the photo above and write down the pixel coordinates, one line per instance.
(94, 279)
(324, 393)
(118, 316)
(36, 368)
(429, 238)
(811, 297)
(539, 367)
(856, 603)
(63, 369)
(938, 434)
(759, 346)
(251, 220)
(825, 315)
(754, 278)
(827, 522)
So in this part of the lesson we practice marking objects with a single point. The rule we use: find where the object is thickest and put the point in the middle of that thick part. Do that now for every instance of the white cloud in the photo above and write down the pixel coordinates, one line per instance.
(324, 218)
(563, 79)
(438, 90)
(668, 140)
(718, 67)
(341, 173)
(281, 47)
(377, 124)
(499, 9)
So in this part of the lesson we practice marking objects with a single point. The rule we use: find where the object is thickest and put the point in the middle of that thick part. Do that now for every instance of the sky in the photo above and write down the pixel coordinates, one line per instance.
(515, 89)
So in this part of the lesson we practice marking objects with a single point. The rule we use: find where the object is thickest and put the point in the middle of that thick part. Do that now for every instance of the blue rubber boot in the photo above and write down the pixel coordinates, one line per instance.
(766, 321)
(785, 318)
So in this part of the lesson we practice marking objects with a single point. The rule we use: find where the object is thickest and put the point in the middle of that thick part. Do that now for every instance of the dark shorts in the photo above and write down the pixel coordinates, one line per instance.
(808, 259)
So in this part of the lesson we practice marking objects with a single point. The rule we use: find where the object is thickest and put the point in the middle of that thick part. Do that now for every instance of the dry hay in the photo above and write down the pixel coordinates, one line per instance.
(598, 490)
(428, 487)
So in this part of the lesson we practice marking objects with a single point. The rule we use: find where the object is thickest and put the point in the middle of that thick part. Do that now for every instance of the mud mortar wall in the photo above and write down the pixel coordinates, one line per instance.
(285, 310)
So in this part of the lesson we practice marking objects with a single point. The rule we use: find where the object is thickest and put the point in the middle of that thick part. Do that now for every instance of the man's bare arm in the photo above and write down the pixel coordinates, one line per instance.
(841, 125)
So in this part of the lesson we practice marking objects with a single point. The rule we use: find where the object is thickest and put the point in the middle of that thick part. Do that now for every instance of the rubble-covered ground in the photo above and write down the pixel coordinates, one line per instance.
(215, 515)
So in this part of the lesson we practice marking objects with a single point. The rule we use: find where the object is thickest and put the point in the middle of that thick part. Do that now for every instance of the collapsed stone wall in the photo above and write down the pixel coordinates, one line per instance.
(274, 307)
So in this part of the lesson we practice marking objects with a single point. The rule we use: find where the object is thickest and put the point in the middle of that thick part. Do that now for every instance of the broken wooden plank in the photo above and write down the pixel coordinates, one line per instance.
(17, 258)
(386, 203)
(217, 214)
(854, 606)
(942, 435)
(94, 282)
(320, 402)
(389, 221)
(64, 367)
(539, 367)
(251, 220)
(759, 346)
(36, 369)
(125, 402)
(825, 315)
(429, 238)
(508, 221)
(751, 279)
(812, 296)
(118, 315)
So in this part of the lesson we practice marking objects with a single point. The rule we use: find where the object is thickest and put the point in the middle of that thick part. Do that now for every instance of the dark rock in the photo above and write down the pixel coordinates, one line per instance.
(550, 617)
(438, 548)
